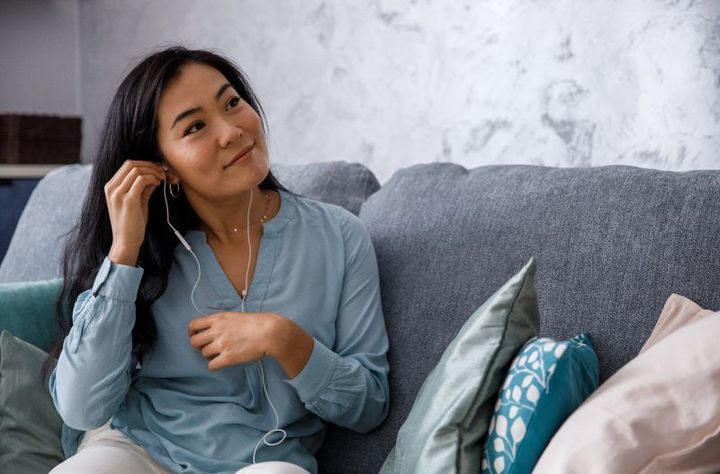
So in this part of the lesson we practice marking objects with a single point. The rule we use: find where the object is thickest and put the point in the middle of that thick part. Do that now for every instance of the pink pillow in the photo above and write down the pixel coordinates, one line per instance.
(660, 413)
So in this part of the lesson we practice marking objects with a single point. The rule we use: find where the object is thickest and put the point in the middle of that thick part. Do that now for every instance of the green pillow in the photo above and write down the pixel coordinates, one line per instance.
(452, 411)
(547, 381)
(30, 427)
(27, 310)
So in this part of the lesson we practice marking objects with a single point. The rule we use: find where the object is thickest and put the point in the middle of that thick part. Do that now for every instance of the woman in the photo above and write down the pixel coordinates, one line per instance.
(229, 351)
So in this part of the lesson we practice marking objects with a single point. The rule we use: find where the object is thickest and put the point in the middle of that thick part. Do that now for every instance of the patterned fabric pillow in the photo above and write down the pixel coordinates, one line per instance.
(547, 381)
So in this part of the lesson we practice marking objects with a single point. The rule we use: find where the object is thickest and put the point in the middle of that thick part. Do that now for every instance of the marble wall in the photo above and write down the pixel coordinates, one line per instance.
(398, 82)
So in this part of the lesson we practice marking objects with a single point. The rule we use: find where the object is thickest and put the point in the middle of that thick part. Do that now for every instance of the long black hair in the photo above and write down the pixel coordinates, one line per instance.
(130, 132)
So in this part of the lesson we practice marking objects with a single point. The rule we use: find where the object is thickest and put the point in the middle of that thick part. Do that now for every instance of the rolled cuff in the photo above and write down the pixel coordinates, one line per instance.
(118, 281)
(317, 373)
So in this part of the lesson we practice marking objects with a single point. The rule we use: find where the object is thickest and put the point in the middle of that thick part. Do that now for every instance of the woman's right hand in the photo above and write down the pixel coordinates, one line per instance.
(127, 195)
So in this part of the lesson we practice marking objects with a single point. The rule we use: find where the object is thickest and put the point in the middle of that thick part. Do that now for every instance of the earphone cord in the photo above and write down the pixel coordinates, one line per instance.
(247, 272)
(185, 244)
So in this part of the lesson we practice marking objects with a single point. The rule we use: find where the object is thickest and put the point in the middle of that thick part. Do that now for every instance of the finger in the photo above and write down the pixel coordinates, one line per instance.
(119, 192)
(210, 351)
(143, 163)
(128, 166)
(199, 324)
(217, 363)
(132, 177)
(141, 183)
(147, 192)
(201, 339)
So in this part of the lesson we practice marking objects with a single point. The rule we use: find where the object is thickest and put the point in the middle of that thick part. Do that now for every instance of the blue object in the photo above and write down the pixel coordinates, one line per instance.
(14, 194)
(546, 382)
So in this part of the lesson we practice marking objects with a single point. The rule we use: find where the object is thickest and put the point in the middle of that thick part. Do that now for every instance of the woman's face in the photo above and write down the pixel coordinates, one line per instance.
(203, 125)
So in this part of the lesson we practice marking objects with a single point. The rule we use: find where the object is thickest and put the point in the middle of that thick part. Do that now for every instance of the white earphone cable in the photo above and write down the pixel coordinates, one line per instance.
(247, 273)
(186, 245)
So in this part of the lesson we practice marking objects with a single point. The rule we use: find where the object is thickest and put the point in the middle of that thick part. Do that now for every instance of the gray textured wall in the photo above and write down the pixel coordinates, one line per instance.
(39, 57)
(393, 83)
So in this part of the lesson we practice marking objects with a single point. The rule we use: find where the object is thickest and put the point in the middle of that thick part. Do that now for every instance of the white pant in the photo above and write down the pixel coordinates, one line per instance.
(108, 451)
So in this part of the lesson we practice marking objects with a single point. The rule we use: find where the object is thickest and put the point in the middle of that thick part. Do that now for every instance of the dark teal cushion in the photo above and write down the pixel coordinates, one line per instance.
(30, 427)
(27, 310)
(546, 382)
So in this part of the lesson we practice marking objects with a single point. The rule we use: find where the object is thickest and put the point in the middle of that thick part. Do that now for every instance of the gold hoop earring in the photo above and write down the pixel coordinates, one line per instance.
(176, 194)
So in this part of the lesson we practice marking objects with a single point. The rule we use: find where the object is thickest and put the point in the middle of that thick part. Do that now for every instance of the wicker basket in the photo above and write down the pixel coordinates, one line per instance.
(39, 139)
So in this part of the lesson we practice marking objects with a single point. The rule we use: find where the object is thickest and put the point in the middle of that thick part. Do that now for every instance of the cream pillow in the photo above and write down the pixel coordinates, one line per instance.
(660, 413)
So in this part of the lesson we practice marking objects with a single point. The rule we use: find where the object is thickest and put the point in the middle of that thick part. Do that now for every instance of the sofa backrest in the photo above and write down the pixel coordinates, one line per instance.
(54, 206)
(610, 243)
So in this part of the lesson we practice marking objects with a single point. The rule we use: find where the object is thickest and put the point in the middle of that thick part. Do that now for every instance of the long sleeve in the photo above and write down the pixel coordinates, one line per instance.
(348, 384)
(92, 375)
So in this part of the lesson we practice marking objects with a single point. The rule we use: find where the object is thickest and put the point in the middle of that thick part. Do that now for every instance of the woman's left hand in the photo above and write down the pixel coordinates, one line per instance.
(228, 338)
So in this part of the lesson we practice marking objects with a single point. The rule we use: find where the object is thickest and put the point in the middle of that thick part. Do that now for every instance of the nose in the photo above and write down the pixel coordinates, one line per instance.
(229, 133)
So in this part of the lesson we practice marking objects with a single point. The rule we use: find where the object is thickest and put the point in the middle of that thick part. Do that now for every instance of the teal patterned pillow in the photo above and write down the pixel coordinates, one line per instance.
(546, 382)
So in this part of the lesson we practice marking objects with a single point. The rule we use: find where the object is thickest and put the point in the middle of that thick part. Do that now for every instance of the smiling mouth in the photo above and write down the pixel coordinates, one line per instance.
(242, 155)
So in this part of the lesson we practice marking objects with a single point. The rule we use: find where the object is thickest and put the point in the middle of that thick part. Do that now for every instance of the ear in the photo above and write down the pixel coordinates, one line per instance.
(170, 174)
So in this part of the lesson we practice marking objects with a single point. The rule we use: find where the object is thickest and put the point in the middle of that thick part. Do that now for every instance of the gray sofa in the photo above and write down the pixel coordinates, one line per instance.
(611, 244)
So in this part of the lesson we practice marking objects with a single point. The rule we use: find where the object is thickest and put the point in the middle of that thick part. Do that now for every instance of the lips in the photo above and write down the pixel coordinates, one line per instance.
(242, 155)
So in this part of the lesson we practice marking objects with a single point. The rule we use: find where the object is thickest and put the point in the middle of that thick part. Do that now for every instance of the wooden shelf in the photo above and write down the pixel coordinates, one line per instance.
(26, 171)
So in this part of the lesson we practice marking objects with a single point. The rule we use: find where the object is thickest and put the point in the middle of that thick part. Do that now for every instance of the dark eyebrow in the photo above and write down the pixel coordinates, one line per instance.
(198, 109)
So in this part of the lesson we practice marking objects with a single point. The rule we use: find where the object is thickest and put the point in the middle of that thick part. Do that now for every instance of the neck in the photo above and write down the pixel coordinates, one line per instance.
(227, 223)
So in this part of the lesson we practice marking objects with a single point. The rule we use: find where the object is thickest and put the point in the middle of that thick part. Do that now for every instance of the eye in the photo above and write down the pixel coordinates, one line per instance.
(236, 99)
(187, 130)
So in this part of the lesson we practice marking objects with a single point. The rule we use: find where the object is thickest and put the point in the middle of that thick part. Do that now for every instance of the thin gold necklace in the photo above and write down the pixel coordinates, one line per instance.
(263, 218)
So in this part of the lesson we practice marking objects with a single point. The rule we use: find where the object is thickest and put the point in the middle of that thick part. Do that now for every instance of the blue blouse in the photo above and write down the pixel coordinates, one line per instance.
(316, 266)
